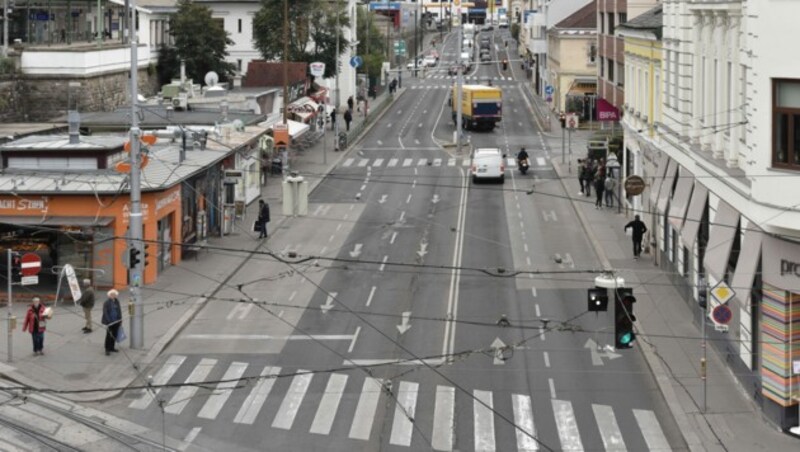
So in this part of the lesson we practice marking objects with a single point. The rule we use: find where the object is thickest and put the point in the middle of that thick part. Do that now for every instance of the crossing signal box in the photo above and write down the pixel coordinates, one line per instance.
(598, 300)
(16, 267)
(624, 318)
(133, 259)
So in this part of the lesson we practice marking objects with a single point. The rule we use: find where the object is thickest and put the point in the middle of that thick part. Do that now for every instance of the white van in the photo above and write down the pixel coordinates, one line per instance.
(487, 163)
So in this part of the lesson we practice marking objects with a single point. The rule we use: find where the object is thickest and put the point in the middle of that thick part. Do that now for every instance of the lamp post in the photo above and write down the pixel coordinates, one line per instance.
(136, 228)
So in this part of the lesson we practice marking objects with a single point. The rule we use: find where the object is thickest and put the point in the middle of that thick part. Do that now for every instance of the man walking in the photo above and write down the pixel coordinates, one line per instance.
(263, 218)
(350, 103)
(333, 119)
(348, 118)
(638, 228)
(112, 319)
(610, 188)
(87, 303)
(599, 187)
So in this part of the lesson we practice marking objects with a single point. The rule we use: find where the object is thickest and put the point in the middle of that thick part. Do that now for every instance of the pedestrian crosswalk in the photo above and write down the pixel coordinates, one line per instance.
(347, 405)
(539, 162)
(469, 78)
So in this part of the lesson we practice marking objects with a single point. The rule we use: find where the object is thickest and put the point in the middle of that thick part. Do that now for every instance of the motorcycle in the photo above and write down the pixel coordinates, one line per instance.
(523, 165)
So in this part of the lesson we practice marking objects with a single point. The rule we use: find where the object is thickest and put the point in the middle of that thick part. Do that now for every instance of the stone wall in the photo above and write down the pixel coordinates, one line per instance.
(11, 99)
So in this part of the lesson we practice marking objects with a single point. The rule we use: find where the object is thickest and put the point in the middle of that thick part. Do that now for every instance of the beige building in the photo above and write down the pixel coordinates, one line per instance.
(572, 61)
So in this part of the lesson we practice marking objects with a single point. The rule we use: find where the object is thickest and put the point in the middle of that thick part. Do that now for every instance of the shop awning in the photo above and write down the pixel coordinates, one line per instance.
(666, 186)
(693, 216)
(56, 221)
(747, 264)
(658, 177)
(583, 86)
(296, 129)
(720, 239)
(680, 200)
(304, 108)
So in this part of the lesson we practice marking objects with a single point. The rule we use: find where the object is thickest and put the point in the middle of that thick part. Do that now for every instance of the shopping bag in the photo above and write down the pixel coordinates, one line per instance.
(121, 334)
(256, 226)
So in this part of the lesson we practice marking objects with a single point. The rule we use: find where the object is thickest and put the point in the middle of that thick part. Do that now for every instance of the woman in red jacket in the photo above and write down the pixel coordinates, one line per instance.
(35, 321)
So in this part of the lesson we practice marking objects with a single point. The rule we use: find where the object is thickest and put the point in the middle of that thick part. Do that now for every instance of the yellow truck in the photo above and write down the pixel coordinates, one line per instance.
(481, 106)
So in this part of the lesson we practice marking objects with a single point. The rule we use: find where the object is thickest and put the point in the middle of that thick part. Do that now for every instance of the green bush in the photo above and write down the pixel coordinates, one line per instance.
(7, 66)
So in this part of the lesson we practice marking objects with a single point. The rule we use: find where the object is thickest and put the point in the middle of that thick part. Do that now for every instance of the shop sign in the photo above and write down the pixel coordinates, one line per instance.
(175, 196)
(781, 261)
(24, 204)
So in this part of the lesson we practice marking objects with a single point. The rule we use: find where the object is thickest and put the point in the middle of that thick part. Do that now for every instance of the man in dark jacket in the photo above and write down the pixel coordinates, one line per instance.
(333, 119)
(112, 319)
(350, 103)
(348, 118)
(263, 218)
(87, 303)
(639, 229)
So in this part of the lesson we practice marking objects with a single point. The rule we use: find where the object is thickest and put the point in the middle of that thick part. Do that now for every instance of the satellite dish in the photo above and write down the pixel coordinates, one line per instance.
(211, 78)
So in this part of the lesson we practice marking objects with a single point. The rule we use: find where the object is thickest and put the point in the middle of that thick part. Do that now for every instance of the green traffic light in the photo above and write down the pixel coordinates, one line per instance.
(626, 338)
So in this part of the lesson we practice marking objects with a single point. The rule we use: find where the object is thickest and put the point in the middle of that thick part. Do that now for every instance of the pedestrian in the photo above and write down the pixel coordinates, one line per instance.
(599, 187)
(112, 319)
(333, 119)
(588, 178)
(350, 103)
(373, 92)
(348, 118)
(35, 322)
(87, 303)
(581, 174)
(263, 218)
(610, 189)
(638, 228)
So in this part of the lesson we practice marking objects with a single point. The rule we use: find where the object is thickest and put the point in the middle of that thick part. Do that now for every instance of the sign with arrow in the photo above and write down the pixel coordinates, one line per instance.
(500, 351)
(435, 199)
(328, 303)
(383, 199)
(356, 251)
(404, 325)
(423, 249)
(599, 353)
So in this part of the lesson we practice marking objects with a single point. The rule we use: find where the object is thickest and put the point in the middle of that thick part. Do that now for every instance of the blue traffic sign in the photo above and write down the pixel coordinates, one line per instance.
(356, 61)
(549, 89)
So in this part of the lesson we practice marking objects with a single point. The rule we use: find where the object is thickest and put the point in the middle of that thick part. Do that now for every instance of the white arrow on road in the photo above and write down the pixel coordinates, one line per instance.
(598, 355)
(328, 303)
(498, 345)
(404, 326)
(383, 199)
(356, 250)
(423, 249)
(435, 199)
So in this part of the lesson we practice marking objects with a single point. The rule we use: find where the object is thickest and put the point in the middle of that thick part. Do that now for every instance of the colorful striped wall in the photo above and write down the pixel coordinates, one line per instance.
(780, 330)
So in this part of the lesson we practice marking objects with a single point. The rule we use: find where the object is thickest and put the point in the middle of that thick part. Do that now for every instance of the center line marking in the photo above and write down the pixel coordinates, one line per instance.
(338, 227)
(394, 236)
(552, 388)
(528, 260)
(330, 239)
(371, 294)
(541, 332)
(546, 356)
(525, 246)
(291, 297)
(408, 200)
(355, 336)
(383, 265)
(533, 290)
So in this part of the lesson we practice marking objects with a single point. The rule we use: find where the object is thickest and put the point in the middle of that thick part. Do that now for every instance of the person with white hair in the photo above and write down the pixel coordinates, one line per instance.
(112, 319)
(87, 303)
(35, 322)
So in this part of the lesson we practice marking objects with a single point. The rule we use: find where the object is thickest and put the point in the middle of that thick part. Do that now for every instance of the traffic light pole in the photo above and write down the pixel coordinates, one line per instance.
(10, 310)
(459, 82)
(137, 316)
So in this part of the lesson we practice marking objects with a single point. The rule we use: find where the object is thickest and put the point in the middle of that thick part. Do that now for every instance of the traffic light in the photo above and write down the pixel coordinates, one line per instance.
(16, 267)
(133, 257)
(598, 300)
(624, 318)
(146, 253)
(563, 119)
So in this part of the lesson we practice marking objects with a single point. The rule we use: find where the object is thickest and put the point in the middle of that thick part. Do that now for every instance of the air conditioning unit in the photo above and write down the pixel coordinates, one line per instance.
(181, 102)
(234, 173)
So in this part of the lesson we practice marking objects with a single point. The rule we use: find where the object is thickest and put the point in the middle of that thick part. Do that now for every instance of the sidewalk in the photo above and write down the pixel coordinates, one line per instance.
(669, 338)
(74, 361)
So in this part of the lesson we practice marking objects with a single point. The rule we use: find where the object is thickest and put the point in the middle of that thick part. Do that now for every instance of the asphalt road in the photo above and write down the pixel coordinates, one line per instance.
(382, 333)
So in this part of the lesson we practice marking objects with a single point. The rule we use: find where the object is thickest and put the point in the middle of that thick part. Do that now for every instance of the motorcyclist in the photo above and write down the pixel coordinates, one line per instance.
(523, 155)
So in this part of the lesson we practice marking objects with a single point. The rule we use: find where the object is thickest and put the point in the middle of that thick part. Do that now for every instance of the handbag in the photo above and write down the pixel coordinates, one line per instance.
(256, 226)
(121, 336)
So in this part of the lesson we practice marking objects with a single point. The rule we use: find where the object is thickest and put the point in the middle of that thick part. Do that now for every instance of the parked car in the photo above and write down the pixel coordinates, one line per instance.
(487, 163)
(429, 61)
(420, 64)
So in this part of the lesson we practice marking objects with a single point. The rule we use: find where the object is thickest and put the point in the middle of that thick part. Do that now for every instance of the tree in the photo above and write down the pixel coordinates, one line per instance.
(312, 31)
(371, 43)
(200, 41)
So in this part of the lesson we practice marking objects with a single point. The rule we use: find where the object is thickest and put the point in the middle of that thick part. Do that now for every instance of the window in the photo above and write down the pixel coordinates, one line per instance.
(743, 104)
(602, 67)
(592, 53)
(611, 24)
(239, 65)
(786, 124)
(703, 89)
(602, 21)
(611, 71)
(621, 74)
(220, 22)
(623, 17)
(239, 22)
(730, 101)
(53, 163)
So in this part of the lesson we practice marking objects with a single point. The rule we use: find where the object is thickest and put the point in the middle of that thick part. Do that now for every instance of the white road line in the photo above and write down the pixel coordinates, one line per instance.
(540, 161)
(392, 163)
(535, 294)
(483, 421)
(542, 333)
(380, 143)
(161, 378)
(240, 308)
(451, 162)
(189, 438)
(394, 236)
(437, 162)
(363, 162)
(528, 260)
(546, 359)
(293, 294)
(398, 361)
(414, 183)
(255, 400)
(422, 162)
(455, 276)
(269, 337)
(348, 162)
(291, 402)
(465, 162)
(552, 385)
(525, 247)
(651, 430)
(567, 426)
(383, 264)
(523, 417)
(223, 391)
(330, 239)
(407, 162)
(609, 429)
(363, 187)
(365, 410)
(402, 216)
(408, 199)
(443, 418)
(416, 171)
(329, 404)
(182, 397)
(377, 162)
(371, 294)
(355, 338)
(402, 425)
(538, 312)
(511, 163)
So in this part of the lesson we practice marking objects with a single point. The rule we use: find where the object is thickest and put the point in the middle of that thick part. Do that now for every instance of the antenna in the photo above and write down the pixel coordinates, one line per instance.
(211, 78)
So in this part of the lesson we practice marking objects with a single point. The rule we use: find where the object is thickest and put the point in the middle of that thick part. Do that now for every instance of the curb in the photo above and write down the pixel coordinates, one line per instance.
(687, 431)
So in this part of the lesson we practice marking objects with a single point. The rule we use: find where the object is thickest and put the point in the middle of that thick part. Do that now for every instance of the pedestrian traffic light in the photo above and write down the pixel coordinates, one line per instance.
(563, 119)
(16, 267)
(598, 300)
(146, 253)
(624, 318)
(133, 257)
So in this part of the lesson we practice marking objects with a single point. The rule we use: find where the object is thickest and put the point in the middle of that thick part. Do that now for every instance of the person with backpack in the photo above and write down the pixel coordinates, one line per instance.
(610, 188)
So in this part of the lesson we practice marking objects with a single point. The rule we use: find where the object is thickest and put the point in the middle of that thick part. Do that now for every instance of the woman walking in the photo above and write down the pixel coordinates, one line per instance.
(35, 322)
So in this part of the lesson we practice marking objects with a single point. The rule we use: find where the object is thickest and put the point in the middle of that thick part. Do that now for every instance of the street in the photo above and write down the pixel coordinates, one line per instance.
(413, 309)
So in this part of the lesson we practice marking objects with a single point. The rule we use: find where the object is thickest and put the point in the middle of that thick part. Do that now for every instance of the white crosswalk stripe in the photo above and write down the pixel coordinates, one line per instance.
(465, 162)
(377, 162)
(348, 162)
(329, 404)
(402, 425)
(392, 162)
(451, 162)
(182, 397)
(651, 430)
(567, 425)
(255, 400)
(363, 162)
(224, 389)
(541, 161)
(483, 418)
(365, 410)
(161, 378)
(291, 402)
(523, 417)
(609, 429)
(422, 162)
(407, 162)
(443, 417)
(511, 163)
(437, 162)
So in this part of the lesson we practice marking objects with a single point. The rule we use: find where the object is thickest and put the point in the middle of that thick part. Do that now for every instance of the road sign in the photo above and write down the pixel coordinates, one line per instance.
(721, 292)
(400, 47)
(722, 314)
(72, 280)
(356, 61)
(572, 121)
(549, 89)
(549, 98)
(29, 280)
(31, 264)
(634, 185)
(317, 69)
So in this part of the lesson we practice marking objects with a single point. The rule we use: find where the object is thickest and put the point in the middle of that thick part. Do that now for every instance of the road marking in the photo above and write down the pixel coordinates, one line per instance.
(255, 400)
(609, 429)
(451, 162)
(329, 404)
(402, 216)
(483, 420)
(398, 361)
(363, 162)
(293, 294)
(402, 425)
(528, 260)
(540, 161)
(291, 402)
(422, 162)
(408, 200)
(240, 308)
(416, 171)
(523, 418)
(653, 436)
(383, 264)
(338, 227)
(353, 342)
(538, 312)
(223, 391)
(348, 162)
(541, 333)
(189, 438)
(371, 294)
(568, 260)
(407, 162)
(549, 215)
(161, 378)
(443, 417)
(546, 359)
(525, 247)
(365, 410)
(465, 162)
(392, 163)
(394, 236)
(363, 187)
(182, 397)
(377, 162)
(455, 276)
(414, 183)
(511, 163)
(330, 239)
(552, 385)
(269, 337)
(437, 162)
(567, 426)
(380, 143)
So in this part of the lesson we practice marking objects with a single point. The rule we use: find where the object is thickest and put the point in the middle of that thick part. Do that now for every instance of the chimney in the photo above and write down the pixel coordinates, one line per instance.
(183, 72)
(74, 121)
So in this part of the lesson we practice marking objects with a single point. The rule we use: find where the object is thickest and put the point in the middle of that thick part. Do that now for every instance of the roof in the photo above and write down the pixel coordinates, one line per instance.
(261, 73)
(651, 20)
(155, 116)
(585, 17)
(61, 142)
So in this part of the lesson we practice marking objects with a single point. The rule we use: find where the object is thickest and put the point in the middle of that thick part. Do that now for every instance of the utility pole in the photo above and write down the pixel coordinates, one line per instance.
(416, 43)
(460, 80)
(336, 105)
(10, 310)
(5, 29)
(137, 318)
(286, 62)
